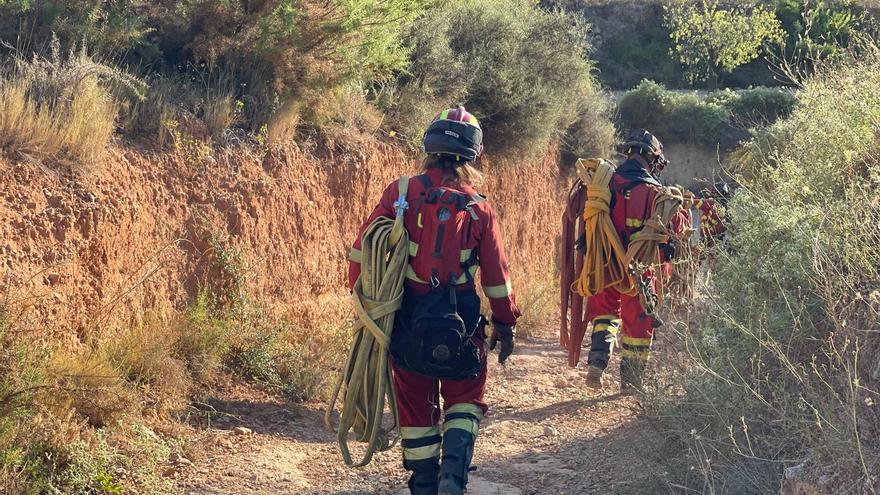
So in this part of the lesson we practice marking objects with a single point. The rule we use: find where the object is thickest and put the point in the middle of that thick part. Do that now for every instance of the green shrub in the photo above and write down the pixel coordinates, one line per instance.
(631, 56)
(722, 117)
(202, 339)
(112, 28)
(674, 116)
(289, 358)
(817, 29)
(521, 70)
(268, 54)
(789, 343)
(756, 106)
(120, 458)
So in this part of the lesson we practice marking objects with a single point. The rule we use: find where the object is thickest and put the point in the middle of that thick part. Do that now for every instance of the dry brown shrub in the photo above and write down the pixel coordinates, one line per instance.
(60, 108)
(88, 383)
(145, 356)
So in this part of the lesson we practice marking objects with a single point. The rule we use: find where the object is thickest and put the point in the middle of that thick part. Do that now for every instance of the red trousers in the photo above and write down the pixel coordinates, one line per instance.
(418, 401)
(418, 396)
(611, 313)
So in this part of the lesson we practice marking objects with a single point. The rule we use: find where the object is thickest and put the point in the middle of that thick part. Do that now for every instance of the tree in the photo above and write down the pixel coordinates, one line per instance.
(816, 31)
(709, 40)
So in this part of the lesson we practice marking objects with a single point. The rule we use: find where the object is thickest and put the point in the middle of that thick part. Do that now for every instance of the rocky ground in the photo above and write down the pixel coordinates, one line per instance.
(545, 433)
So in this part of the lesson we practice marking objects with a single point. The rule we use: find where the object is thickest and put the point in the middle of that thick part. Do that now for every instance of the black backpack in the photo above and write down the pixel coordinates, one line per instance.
(434, 336)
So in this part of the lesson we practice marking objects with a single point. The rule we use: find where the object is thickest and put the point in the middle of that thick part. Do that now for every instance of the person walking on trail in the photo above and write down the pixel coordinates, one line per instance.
(634, 186)
(710, 206)
(437, 344)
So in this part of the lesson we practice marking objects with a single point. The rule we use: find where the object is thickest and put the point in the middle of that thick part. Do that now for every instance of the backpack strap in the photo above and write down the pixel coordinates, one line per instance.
(425, 180)
(400, 206)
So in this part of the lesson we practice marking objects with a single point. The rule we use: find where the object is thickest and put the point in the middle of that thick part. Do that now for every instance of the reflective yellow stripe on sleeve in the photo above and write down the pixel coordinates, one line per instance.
(464, 278)
(498, 291)
(465, 255)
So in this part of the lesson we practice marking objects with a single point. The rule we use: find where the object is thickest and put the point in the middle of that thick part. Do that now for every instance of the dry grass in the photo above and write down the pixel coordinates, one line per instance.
(779, 368)
(77, 130)
(88, 383)
(60, 108)
(538, 300)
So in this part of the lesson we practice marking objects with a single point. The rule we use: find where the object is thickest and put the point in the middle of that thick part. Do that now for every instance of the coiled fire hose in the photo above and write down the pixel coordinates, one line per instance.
(366, 382)
(605, 263)
(605, 255)
(643, 252)
(573, 323)
(587, 216)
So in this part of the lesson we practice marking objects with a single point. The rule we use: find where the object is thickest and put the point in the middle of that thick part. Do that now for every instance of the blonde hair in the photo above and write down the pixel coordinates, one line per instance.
(454, 172)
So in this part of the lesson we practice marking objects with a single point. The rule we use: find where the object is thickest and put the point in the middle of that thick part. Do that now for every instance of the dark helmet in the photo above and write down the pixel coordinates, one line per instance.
(721, 189)
(454, 132)
(645, 143)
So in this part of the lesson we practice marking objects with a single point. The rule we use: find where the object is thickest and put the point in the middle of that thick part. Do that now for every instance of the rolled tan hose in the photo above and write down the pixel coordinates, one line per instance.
(643, 252)
(366, 382)
(605, 263)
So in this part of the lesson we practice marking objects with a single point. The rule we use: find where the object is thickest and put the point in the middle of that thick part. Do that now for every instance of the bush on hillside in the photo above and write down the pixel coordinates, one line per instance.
(268, 53)
(59, 107)
(816, 30)
(756, 106)
(529, 85)
(722, 117)
(113, 28)
(790, 343)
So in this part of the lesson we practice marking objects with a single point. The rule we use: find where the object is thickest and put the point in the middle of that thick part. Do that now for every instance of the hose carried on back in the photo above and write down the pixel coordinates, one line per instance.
(584, 267)
(601, 261)
(643, 252)
(366, 382)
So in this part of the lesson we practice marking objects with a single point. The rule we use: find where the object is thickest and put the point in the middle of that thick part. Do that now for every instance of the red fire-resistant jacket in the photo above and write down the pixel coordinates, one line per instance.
(485, 241)
(711, 223)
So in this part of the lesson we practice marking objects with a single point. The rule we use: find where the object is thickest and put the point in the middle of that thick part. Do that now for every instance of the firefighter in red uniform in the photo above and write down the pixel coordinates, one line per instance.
(437, 345)
(709, 206)
(634, 186)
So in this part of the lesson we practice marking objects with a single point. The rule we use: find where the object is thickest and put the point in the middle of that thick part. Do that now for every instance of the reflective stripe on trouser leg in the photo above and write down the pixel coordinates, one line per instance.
(420, 442)
(605, 329)
(460, 427)
(465, 417)
(421, 455)
(634, 348)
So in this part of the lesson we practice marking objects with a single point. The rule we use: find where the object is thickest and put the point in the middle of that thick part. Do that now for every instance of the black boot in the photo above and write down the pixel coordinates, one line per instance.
(458, 450)
(632, 374)
(425, 473)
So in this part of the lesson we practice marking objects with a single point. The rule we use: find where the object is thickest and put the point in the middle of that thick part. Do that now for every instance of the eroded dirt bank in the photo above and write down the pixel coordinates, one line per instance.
(142, 231)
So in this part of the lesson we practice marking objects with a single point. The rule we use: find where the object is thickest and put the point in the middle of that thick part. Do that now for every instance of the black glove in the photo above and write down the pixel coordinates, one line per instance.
(669, 250)
(504, 334)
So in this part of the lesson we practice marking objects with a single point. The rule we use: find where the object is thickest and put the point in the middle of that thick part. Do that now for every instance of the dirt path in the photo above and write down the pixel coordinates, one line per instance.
(545, 434)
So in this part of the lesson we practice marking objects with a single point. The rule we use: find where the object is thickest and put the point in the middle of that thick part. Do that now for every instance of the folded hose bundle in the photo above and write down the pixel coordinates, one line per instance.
(366, 383)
